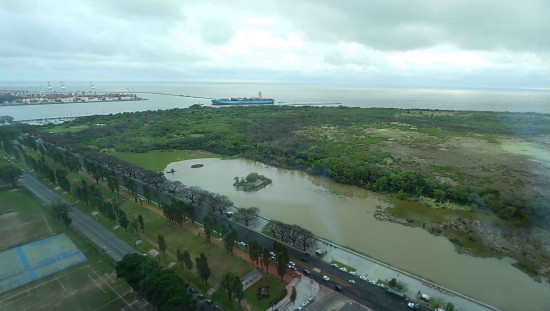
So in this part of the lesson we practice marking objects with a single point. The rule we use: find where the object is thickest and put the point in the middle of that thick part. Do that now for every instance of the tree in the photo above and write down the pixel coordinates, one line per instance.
(247, 215)
(9, 173)
(179, 257)
(202, 267)
(131, 186)
(141, 223)
(439, 195)
(161, 287)
(253, 251)
(62, 181)
(208, 227)
(450, 307)
(61, 212)
(187, 260)
(8, 133)
(265, 259)
(392, 283)
(294, 233)
(238, 288)
(123, 219)
(162, 244)
(134, 226)
(229, 240)
(306, 238)
(219, 203)
(227, 283)
(281, 265)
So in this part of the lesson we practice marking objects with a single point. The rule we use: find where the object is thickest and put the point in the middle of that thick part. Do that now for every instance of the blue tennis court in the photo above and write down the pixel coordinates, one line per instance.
(33, 261)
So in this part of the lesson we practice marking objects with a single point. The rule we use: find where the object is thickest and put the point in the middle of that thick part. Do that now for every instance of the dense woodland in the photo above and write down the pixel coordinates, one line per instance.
(271, 135)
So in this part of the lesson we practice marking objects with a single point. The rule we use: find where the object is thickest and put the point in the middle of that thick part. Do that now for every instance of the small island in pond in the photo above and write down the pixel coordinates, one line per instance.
(252, 182)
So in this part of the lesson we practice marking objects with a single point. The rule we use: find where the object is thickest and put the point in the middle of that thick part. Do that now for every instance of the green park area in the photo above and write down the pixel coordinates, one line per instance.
(158, 160)
(175, 236)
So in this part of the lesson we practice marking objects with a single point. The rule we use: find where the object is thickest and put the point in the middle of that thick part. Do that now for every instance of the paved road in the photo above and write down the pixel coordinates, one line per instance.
(97, 233)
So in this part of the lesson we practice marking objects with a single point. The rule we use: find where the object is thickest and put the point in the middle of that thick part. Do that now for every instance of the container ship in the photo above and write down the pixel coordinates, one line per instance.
(244, 101)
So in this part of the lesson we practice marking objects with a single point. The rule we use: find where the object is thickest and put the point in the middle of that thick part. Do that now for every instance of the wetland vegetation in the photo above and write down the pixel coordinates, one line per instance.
(474, 171)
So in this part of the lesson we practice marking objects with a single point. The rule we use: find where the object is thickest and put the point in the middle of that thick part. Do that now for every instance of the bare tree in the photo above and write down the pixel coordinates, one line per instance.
(220, 203)
(173, 186)
(294, 233)
(306, 238)
(247, 215)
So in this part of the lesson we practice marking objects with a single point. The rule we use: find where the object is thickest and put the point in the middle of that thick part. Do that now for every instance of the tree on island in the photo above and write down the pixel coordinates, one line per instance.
(252, 182)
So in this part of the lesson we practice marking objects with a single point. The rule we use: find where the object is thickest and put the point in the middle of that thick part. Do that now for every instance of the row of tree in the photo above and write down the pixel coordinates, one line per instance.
(291, 233)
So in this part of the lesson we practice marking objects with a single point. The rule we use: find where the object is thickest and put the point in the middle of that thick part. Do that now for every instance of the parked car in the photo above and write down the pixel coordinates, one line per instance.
(334, 265)
(352, 282)
(200, 296)
(326, 278)
(413, 306)
(338, 287)
(352, 273)
(364, 278)
(306, 271)
(343, 269)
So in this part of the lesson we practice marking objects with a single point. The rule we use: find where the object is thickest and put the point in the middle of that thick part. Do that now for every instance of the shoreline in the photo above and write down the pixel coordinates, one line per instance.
(85, 102)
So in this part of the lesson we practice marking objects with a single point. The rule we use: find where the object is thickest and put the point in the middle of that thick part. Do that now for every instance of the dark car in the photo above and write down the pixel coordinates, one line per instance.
(200, 296)
(191, 289)
(306, 271)
(338, 288)
(208, 301)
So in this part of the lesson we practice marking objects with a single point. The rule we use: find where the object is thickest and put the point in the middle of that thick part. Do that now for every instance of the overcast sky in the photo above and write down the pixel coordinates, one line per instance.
(439, 43)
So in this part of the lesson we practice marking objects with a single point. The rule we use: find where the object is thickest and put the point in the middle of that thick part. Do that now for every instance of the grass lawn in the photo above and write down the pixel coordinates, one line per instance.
(22, 218)
(277, 291)
(158, 160)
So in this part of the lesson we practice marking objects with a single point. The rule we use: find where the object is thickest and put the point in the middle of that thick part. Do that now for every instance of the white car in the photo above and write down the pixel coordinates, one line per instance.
(352, 282)
(364, 278)
(343, 269)
(334, 265)
(352, 273)
(326, 278)
(372, 282)
(291, 263)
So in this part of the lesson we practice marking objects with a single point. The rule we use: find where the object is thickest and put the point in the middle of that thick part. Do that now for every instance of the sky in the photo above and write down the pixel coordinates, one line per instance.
(413, 43)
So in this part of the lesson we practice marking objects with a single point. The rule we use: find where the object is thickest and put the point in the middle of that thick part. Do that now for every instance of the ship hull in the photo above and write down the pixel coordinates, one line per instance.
(242, 102)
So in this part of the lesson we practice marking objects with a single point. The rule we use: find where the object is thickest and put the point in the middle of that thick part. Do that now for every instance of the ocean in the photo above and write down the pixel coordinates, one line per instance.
(284, 94)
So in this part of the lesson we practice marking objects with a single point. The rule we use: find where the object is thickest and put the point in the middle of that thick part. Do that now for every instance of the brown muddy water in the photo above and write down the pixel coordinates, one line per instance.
(345, 215)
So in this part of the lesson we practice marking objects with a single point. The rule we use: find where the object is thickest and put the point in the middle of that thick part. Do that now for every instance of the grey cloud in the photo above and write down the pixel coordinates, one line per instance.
(397, 25)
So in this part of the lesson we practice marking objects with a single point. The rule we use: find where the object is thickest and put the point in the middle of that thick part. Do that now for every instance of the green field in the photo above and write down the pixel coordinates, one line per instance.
(277, 292)
(22, 219)
(158, 160)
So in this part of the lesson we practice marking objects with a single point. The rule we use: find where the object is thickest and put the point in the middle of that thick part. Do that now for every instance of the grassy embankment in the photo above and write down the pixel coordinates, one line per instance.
(176, 238)
(156, 161)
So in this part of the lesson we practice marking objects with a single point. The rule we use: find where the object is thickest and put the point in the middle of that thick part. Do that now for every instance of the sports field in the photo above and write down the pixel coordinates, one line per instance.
(51, 272)
(33, 261)
(76, 288)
